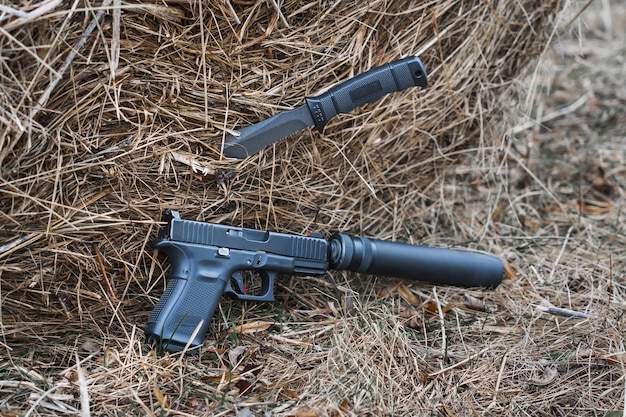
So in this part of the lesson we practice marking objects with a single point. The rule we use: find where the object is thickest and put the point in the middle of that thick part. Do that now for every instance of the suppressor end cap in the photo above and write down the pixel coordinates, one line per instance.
(341, 251)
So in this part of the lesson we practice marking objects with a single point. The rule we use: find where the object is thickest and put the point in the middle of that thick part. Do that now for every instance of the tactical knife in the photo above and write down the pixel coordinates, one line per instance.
(317, 111)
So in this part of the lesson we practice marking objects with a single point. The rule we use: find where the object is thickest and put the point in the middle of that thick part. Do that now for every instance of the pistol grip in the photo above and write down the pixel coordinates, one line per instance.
(186, 305)
(195, 284)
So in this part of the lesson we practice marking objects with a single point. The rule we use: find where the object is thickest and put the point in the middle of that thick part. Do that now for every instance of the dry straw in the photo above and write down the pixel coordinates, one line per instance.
(111, 113)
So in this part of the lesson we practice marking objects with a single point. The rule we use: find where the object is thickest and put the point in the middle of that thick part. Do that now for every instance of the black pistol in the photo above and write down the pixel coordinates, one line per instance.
(209, 260)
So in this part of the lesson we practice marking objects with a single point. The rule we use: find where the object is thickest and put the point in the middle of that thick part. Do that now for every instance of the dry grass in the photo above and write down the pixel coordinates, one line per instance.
(109, 117)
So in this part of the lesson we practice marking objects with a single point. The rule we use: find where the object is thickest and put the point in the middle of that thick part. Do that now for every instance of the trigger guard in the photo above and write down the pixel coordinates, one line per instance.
(267, 286)
(267, 283)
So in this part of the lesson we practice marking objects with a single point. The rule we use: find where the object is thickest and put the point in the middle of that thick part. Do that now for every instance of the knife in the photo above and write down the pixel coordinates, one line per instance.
(317, 111)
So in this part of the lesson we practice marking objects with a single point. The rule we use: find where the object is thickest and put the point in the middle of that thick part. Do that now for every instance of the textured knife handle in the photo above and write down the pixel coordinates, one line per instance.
(366, 88)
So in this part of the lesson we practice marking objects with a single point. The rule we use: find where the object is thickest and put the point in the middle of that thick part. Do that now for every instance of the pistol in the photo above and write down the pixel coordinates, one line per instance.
(209, 260)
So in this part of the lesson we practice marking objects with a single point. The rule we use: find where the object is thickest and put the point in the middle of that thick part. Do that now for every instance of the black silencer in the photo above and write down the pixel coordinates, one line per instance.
(400, 260)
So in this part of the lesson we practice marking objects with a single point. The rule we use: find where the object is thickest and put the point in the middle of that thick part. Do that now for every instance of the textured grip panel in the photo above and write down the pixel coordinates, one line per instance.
(183, 305)
(366, 88)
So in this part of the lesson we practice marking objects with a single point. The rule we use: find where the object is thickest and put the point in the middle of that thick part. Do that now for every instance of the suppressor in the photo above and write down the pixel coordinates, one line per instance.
(400, 260)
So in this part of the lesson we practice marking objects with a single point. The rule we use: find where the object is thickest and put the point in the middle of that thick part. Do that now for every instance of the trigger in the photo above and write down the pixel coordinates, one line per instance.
(237, 279)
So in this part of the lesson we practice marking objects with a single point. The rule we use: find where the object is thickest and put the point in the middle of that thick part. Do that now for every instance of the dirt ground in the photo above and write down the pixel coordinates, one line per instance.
(547, 342)
(561, 218)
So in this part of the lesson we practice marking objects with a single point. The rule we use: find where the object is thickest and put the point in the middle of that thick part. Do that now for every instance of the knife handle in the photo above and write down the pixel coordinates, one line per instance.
(366, 88)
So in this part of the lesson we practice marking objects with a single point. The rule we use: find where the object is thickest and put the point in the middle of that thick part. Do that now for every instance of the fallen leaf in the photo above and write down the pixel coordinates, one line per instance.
(217, 351)
(349, 304)
(429, 305)
(448, 307)
(590, 206)
(497, 329)
(165, 12)
(289, 393)
(244, 386)
(408, 313)
(90, 346)
(244, 412)
(388, 290)
(224, 376)
(474, 303)
(406, 293)
(192, 162)
(194, 402)
(234, 354)
(414, 319)
(303, 412)
(332, 308)
(253, 369)
(344, 406)
(509, 273)
(599, 182)
(253, 327)
(160, 397)
(548, 375)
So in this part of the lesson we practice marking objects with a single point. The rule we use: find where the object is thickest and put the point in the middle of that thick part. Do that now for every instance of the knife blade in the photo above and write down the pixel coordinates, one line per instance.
(317, 111)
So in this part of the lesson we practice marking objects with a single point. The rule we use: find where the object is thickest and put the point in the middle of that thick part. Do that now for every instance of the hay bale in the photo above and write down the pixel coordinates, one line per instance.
(109, 117)
(126, 120)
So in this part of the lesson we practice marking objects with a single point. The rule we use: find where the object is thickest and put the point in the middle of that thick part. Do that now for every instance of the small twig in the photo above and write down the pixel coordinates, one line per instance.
(83, 360)
(367, 184)
(39, 400)
(195, 165)
(558, 258)
(456, 365)
(564, 312)
(280, 14)
(193, 336)
(444, 341)
(7, 247)
(11, 11)
(104, 272)
(564, 111)
(609, 289)
(84, 391)
(499, 379)
(572, 20)
(26, 17)
(548, 377)
(231, 9)
(115, 38)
